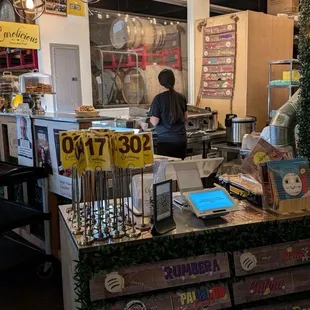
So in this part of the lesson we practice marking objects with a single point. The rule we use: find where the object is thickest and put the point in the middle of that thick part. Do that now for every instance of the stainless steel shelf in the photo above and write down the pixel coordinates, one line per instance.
(285, 62)
(284, 86)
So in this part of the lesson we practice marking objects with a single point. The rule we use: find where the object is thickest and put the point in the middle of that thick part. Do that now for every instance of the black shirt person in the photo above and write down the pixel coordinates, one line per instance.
(168, 114)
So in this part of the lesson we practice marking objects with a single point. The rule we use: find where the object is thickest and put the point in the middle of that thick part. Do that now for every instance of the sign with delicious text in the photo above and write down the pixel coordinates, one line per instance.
(157, 276)
(18, 35)
(272, 257)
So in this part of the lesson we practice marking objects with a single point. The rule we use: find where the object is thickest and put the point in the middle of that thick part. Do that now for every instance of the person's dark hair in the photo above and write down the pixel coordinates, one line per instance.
(166, 78)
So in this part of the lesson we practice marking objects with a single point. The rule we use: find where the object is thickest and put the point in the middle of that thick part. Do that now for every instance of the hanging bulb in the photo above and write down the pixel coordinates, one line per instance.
(29, 4)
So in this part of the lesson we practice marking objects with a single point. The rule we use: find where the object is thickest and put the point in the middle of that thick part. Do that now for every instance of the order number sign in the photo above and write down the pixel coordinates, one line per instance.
(80, 157)
(67, 149)
(147, 148)
(97, 152)
(130, 151)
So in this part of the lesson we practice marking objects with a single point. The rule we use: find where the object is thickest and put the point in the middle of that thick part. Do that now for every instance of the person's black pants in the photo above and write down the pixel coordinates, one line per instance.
(172, 149)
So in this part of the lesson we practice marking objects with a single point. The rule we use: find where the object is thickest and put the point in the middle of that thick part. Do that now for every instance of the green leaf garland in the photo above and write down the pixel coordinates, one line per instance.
(303, 118)
(112, 257)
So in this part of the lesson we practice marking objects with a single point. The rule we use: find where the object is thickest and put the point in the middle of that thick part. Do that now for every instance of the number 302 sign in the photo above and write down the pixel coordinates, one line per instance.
(134, 151)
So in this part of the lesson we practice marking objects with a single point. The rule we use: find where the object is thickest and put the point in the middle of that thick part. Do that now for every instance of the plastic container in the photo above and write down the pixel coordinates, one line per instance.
(36, 83)
(8, 83)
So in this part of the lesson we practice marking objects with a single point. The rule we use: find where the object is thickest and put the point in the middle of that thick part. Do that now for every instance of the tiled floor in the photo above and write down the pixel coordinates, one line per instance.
(20, 286)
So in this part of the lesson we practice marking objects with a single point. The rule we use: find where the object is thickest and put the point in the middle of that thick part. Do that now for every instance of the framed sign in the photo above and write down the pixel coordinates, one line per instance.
(24, 141)
(163, 208)
(56, 7)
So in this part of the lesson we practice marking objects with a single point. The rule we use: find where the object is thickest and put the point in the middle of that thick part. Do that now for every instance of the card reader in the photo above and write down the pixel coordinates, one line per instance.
(212, 203)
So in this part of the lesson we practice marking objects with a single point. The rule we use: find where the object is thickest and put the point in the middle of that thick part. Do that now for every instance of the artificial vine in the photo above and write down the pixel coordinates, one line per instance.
(303, 119)
(111, 257)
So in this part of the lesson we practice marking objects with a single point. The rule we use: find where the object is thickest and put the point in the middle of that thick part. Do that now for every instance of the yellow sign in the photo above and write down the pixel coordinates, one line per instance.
(130, 151)
(17, 35)
(67, 148)
(148, 148)
(260, 158)
(80, 155)
(97, 152)
(75, 7)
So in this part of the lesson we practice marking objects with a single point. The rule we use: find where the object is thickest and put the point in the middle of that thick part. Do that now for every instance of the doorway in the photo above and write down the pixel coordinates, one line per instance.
(66, 74)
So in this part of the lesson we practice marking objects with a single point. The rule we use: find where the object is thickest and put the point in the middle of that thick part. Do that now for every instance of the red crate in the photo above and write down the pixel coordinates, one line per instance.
(170, 58)
(18, 59)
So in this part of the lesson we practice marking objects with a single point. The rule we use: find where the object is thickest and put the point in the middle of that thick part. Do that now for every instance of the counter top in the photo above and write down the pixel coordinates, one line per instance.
(62, 117)
(187, 223)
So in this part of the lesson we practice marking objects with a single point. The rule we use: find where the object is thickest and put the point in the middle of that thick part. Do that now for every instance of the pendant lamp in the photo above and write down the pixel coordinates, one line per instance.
(29, 9)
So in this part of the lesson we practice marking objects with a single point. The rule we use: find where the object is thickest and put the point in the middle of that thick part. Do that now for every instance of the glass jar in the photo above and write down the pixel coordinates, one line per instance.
(8, 83)
(36, 83)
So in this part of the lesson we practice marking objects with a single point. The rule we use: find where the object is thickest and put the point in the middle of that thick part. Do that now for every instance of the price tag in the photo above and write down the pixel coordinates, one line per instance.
(80, 155)
(97, 152)
(130, 151)
(147, 148)
(67, 148)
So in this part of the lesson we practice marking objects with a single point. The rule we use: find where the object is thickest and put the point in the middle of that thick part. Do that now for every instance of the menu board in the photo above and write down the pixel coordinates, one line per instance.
(218, 65)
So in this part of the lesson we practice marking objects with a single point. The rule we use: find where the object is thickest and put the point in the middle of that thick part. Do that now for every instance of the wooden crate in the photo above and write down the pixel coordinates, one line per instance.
(272, 257)
(271, 285)
(156, 276)
(260, 39)
(215, 296)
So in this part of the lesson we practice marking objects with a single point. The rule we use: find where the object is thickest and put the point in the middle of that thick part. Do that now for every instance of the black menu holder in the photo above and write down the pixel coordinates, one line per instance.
(163, 221)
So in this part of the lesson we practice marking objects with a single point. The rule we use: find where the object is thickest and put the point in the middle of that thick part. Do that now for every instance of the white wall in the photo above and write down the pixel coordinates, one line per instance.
(72, 30)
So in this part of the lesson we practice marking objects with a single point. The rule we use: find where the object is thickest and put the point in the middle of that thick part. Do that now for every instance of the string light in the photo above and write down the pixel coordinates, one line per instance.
(107, 16)
(99, 16)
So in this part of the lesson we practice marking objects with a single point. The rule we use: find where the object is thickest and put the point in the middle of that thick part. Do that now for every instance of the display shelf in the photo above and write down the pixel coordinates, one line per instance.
(284, 86)
(18, 59)
(292, 63)
(145, 58)
(284, 62)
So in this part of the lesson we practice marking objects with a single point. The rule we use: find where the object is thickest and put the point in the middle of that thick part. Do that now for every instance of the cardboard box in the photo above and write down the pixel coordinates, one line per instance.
(275, 7)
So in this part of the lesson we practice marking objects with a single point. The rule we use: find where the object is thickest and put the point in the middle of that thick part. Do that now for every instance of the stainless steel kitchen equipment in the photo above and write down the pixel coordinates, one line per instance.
(237, 127)
(210, 123)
